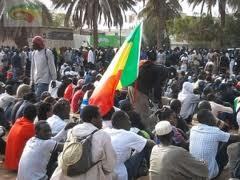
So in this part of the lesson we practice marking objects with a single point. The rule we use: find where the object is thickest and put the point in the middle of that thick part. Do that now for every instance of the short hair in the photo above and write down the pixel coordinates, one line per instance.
(205, 116)
(204, 105)
(60, 106)
(30, 97)
(126, 106)
(9, 89)
(43, 109)
(135, 120)
(51, 100)
(39, 124)
(175, 104)
(44, 95)
(118, 117)
(164, 113)
(30, 112)
(89, 112)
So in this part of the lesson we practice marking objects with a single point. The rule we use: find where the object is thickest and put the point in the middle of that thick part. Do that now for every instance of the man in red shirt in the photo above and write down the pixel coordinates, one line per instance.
(20, 133)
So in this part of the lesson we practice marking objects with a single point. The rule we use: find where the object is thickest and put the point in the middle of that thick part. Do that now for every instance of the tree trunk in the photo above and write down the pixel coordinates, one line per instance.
(95, 26)
(222, 12)
(160, 32)
(21, 38)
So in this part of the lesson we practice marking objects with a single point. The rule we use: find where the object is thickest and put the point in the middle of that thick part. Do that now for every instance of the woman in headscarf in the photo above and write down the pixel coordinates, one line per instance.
(189, 101)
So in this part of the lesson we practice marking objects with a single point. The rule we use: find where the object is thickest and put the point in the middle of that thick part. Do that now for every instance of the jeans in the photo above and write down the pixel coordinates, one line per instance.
(16, 73)
(40, 88)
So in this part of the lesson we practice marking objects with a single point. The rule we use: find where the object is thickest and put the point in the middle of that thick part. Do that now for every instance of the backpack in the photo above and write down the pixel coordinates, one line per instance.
(76, 157)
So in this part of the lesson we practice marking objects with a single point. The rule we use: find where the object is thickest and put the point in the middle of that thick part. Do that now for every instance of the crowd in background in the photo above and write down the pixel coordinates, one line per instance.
(43, 90)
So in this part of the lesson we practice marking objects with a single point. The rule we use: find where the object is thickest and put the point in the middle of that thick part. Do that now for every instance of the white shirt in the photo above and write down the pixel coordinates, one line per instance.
(53, 91)
(35, 157)
(43, 69)
(204, 141)
(91, 57)
(56, 124)
(123, 143)
(2, 54)
(6, 100)
(216, 108)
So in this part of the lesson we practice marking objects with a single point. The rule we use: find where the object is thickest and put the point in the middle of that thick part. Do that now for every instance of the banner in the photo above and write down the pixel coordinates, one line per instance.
(22, 13)
(108, 40)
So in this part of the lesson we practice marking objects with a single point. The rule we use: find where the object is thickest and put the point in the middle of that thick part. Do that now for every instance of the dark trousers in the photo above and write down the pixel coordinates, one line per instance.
(222, 157)
(138, 164)
(2, 146)
(52, 164)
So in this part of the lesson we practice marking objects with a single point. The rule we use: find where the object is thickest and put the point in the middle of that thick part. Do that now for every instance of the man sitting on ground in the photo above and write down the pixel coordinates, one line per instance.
(42, 145)
(61, 111)
(172, 162)
(20, 133)
(209, 143)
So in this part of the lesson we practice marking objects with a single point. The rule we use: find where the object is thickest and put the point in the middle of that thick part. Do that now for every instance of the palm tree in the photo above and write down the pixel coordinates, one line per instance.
(90, 12)
(158, 12)
(20, 33)
(222, 5)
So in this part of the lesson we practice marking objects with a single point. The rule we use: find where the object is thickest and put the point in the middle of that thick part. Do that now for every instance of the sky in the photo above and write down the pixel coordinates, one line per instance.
(185, 6)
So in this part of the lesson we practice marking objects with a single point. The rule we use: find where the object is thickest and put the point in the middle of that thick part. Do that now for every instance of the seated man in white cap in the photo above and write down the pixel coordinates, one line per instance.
(172, 162)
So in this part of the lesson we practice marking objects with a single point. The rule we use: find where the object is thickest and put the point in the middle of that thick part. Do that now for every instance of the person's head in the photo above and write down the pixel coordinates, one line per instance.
(175, 105)
(91, 114)
(62, 109)
(22, 90)
(44, 111)
(120, 120)
(126, 106)
(44, 95)
(9, 89)
(31, 97)
(164, 132)
(205, 116)
(43, 130)
(51, 100)
(167, 114)
(135, 120)
(204, 105)
(30, 112)
(211, 97)
(152, 56)
(38, 43)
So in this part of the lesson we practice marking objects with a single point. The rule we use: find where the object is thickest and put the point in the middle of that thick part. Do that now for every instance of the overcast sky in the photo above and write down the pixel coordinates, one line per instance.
(185, 6)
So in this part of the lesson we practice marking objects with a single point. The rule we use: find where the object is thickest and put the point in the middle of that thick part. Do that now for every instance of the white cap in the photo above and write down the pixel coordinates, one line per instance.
(163, 128)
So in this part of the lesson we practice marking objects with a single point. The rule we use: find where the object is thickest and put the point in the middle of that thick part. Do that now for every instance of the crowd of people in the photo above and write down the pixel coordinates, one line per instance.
(49, 131)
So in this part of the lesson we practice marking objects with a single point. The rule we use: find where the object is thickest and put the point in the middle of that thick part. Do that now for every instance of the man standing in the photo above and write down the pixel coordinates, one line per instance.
(43, 69)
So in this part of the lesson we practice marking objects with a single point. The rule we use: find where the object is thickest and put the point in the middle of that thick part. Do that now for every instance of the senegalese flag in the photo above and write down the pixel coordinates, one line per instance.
(122, 71)
(236, 104)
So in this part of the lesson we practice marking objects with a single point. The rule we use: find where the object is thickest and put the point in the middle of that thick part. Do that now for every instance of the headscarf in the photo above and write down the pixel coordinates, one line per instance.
(39, 41)
(186, 91)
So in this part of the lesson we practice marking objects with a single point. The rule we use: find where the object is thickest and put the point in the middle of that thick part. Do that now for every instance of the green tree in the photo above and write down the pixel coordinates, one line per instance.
(222, 5)
(196, 30)
(158, 12)
(91, 12)
(20, 33)
(58, 19)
